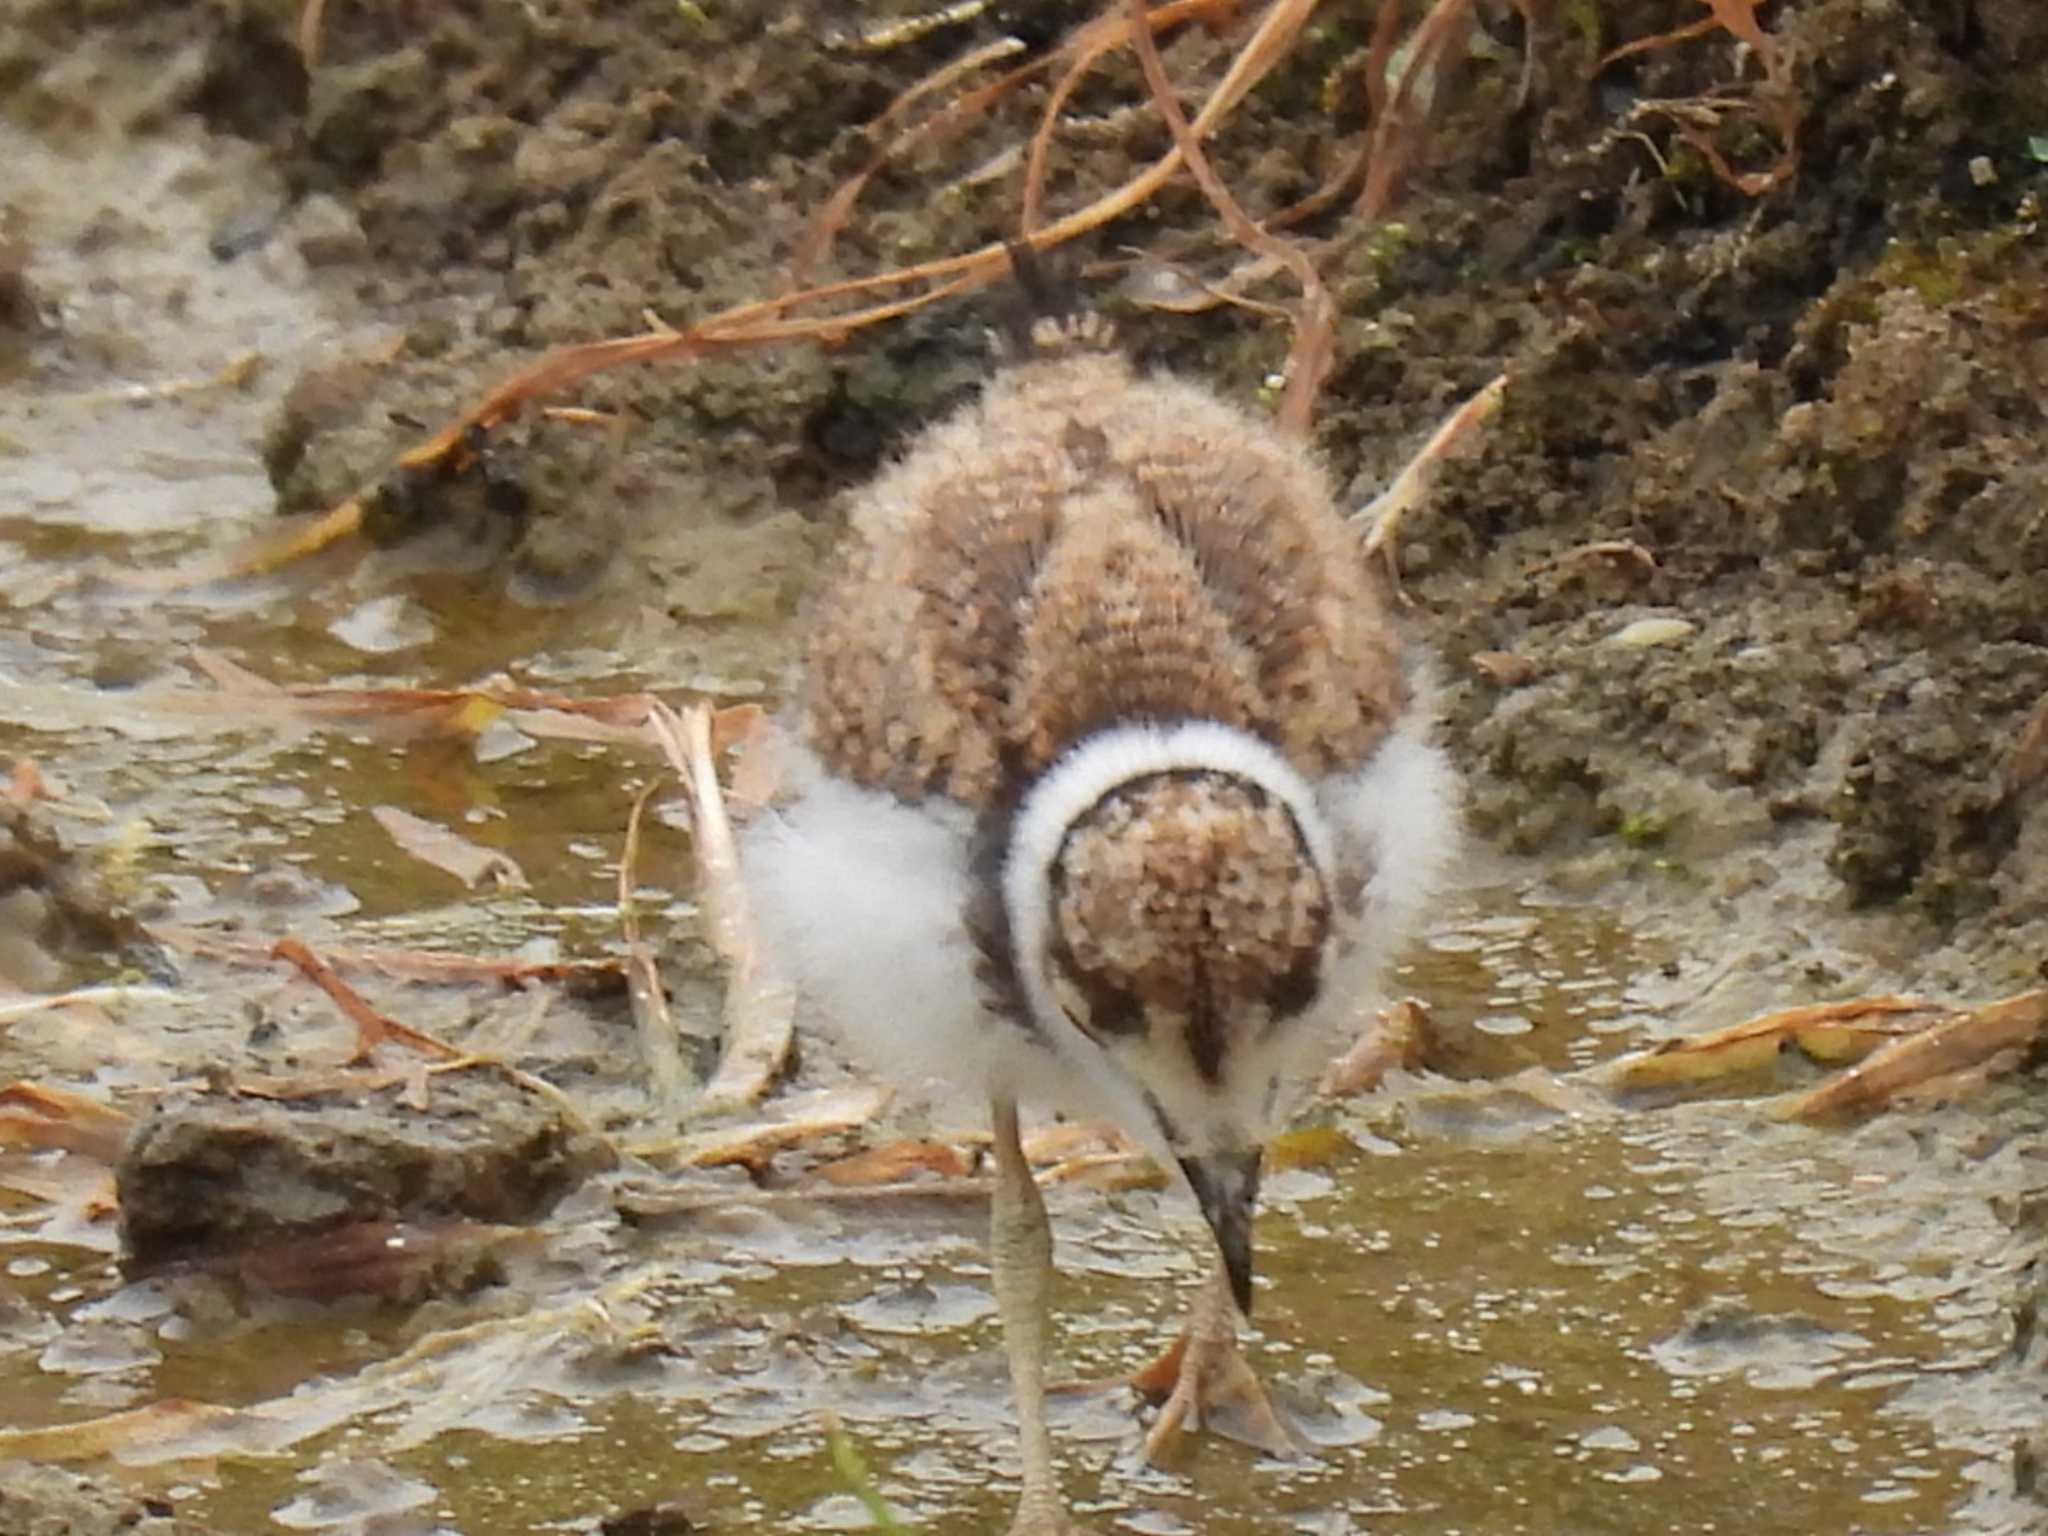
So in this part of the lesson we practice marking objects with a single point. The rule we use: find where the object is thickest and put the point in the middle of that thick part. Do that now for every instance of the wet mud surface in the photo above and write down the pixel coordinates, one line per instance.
(1807, 426)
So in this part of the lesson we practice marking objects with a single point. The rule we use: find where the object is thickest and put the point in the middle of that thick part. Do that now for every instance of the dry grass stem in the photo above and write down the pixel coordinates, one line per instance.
(310, 16)
(1694, 119)
(1382, 515)
(1401, 115)
(1959, 1051)
(760, 1005)
(38, 1117)
(1089, 42)
(1830, 1032)
(783, 318)
(372, 1028)
(816, 243)
(1315, 347)
(806, 1119)
(660, 1042)
(397, 964)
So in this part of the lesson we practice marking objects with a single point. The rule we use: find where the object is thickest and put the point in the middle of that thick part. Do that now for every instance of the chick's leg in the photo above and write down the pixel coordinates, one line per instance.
(1020, 1251)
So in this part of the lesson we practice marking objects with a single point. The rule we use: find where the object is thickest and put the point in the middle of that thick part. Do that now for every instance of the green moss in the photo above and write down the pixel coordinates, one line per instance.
(1935, 273)
(1583, 18)
(1367, 280)
(1643, 829)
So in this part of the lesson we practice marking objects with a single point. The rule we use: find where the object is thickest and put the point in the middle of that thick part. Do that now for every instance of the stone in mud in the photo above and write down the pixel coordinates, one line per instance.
(55, 911)
(45, 1501)
(211, 1175)
(21, 309)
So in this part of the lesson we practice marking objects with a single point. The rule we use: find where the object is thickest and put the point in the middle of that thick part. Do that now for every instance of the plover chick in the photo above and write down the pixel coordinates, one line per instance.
(1109, 789)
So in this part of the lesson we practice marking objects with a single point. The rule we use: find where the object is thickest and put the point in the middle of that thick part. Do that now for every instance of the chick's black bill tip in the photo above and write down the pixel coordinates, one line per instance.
(1226, 1185)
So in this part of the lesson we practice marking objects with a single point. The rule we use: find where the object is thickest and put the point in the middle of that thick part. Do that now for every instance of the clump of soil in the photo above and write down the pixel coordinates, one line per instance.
(56, 916)
(45, 1501)
(210, 1177)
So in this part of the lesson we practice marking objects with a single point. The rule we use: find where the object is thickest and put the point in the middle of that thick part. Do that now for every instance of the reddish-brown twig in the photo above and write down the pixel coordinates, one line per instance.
(1314, 351)
(372, 1027)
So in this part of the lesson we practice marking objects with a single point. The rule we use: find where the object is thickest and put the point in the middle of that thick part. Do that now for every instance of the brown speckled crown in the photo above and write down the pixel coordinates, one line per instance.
(1182, 901)
(1083, 548)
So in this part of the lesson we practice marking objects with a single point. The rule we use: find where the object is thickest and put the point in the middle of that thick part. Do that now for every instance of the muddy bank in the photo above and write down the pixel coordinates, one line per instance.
(1805, 421)
(1737, 606)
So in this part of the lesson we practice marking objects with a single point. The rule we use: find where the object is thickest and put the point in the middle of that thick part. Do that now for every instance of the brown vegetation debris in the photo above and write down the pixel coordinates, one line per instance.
(36, 1116)
(372, 1027)
(1396, 1038)
(1776, 101)
(1314, 352)
(1381, 517)
(760, 1004)
(1827, 1032)
(1959, 1050)
(895, 1161)
(113, 1435)
(432, 843)
(27, 783)
(1403, 89)
(802, 1119)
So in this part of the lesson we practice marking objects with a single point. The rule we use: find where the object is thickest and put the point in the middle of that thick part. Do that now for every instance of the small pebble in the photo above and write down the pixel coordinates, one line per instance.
(1644, 633)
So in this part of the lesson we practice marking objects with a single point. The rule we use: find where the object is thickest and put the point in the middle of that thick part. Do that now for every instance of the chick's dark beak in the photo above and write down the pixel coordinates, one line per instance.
(1227, 1185)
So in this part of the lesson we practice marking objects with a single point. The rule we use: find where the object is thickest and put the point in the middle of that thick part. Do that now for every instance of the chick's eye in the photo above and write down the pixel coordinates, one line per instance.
(1095, 1005)
(1072, 1000)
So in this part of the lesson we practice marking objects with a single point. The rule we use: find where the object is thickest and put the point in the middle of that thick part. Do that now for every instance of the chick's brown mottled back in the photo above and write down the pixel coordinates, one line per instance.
(1083, 548)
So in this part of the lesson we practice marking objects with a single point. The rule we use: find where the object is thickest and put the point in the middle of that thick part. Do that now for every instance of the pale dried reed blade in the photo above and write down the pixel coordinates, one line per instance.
(760, 1004)
(661, 1044)
(1382, 515)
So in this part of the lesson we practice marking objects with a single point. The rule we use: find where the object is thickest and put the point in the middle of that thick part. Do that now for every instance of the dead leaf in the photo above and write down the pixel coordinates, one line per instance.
(1959, 1043)
(806, 1118)
(26, 783)
(757, 765)
(1396, 1037)
(1830, 1032)
(1106, 1171)
(432, 843)
(78, 1201)
(1064, 1139)
(897, 1160)
(113, 1433)
(384, 714)
(33, 1115)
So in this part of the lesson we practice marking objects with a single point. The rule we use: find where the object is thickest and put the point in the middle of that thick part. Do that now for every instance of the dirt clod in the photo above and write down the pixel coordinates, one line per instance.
(208, 1173)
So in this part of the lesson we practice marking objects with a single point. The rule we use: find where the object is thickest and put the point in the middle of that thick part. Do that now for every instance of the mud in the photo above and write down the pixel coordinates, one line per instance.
(1817, 413)
(1807, 423)
(55, 910)
(208, 1174)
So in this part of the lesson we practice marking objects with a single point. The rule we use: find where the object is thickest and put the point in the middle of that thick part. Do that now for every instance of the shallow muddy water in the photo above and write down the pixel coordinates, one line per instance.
(1497, 1301)
(1492, 1309)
